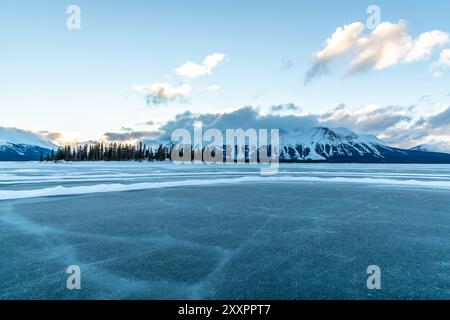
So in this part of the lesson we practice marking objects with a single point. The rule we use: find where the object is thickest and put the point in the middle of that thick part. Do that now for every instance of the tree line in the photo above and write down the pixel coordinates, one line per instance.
(127, 152)
(108, 152)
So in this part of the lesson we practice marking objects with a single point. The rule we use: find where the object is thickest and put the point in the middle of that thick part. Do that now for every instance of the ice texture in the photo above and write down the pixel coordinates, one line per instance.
(224, 232)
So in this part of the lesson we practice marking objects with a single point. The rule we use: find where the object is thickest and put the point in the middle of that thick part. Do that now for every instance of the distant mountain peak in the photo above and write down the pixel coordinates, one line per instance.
(17, 144)
(421, 147)
(344, 145)
(322, 143)
(23, 137)
(430, 147)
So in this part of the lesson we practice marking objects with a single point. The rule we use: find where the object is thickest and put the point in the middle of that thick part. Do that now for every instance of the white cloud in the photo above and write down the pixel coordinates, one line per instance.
(368, 119)
(399, 126)
(340, 41)
(436, 68)
(444, 58)
(163, 93)
(387, 45)
(193, 70)
(437, 143)
(213, 87)
(424, 45)
(436, 74)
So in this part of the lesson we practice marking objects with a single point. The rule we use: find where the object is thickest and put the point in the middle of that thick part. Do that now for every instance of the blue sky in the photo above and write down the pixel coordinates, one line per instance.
(80, 83)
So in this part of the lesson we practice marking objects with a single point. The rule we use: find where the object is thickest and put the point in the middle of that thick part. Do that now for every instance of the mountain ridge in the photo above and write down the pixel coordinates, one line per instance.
(343, 145)
(22, 145)
(314, 144)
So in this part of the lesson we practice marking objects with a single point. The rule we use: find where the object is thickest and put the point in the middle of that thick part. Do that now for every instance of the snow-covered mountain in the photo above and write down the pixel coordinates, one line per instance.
(18, 145)
(431, 147)
(311, 144)
(343, 145)
(422, 147)
(322, 144)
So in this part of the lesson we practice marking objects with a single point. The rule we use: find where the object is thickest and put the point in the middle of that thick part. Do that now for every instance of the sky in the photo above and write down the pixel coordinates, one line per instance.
(135, 68)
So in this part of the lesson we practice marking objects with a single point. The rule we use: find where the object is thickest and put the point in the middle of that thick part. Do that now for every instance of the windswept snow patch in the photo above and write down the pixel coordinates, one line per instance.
(107, 188)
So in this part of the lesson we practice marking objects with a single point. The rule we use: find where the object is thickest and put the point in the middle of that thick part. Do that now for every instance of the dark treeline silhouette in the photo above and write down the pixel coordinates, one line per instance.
(109, 152)
(140, 152)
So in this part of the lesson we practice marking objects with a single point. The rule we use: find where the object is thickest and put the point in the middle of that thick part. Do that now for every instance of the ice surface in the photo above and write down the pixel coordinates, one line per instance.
(43, 180)
(224, 232)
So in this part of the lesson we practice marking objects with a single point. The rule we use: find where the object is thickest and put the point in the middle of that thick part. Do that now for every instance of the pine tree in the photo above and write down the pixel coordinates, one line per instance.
(160, 154)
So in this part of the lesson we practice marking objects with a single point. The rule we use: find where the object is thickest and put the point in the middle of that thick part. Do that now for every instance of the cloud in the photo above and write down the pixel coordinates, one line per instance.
(440, 120)
(55, 137)
(285, 107)
(390, 122)
(387, 45)
(431, 130)
(286, 64)
(60, 139)
(326, 115)
(398, 126)
(243, 118)
(213, 87)
(371, 119)
(444, 58)
(436, 68)
(163, 93)
(130, 136)
(436, 74)
(424, 45)
(193, 70)
(147, 123)
(437, 146)
(426, 98)
(342, 40)
(341, 106)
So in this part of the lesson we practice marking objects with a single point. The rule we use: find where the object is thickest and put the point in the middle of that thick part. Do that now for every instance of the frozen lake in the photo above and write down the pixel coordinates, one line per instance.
(154, 231)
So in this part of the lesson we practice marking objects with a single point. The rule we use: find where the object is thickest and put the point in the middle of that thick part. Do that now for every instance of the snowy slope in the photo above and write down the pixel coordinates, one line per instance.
(322, 143)
(22, 137)
(422, 147)
(343, 145)
(431, 147)
(16, 144)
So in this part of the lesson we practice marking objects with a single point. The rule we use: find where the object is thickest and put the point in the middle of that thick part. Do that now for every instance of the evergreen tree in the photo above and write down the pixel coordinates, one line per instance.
(111, 152)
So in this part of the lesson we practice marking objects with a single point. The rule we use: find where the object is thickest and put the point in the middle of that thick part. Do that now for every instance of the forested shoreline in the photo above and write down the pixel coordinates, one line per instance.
(108, 152)
(140, 152)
